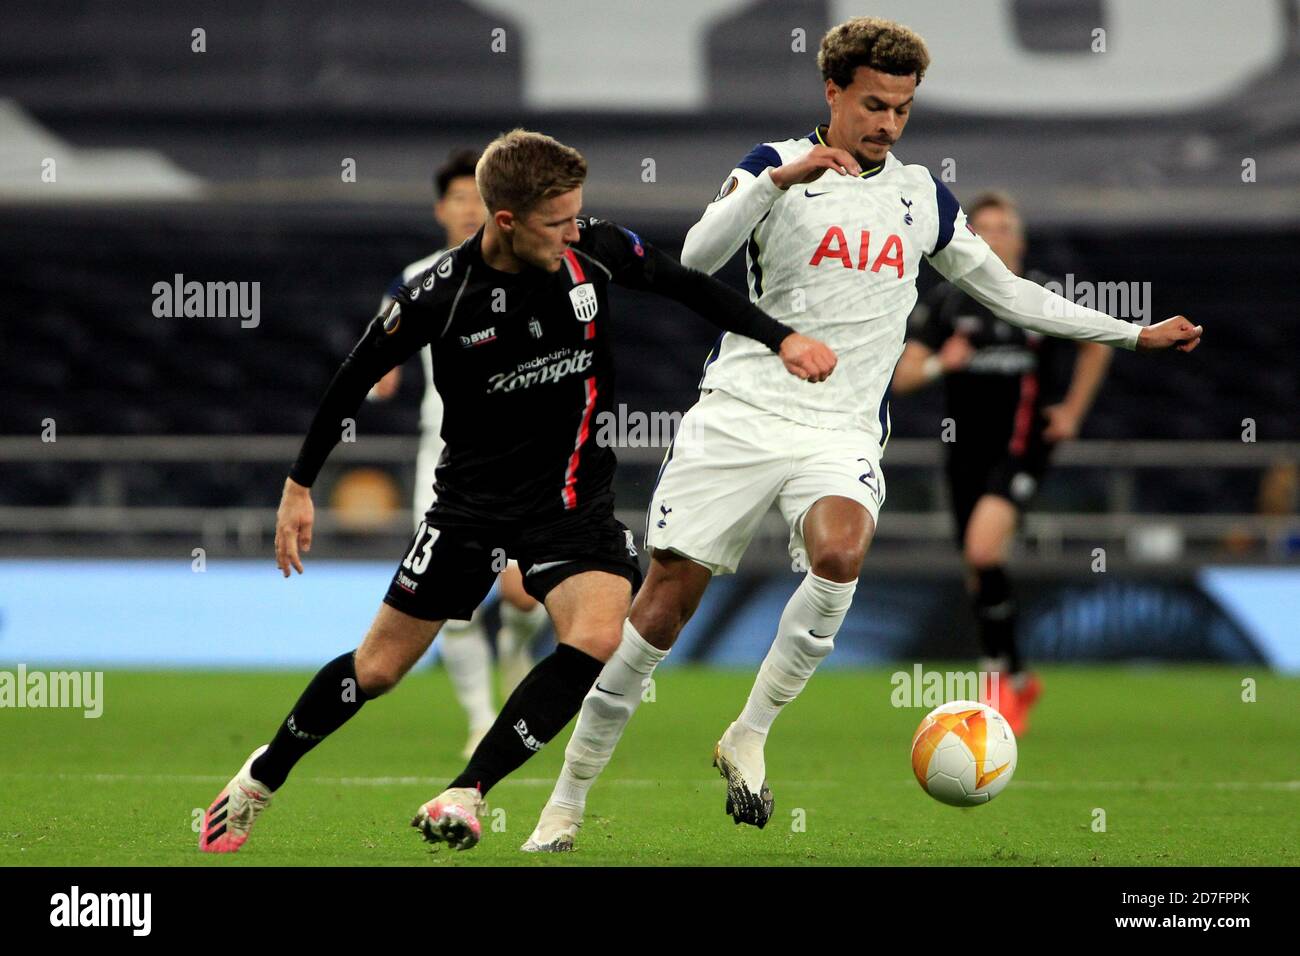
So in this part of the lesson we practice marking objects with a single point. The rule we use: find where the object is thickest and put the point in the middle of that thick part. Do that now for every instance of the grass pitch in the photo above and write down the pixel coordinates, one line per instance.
(1185, 772)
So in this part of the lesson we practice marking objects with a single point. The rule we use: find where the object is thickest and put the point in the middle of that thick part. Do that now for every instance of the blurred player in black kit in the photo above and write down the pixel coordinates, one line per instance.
(998, 382)
(520, 327)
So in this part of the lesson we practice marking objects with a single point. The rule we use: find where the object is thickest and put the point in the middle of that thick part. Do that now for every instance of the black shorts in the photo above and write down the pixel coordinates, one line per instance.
(451, 565)
(971, 476)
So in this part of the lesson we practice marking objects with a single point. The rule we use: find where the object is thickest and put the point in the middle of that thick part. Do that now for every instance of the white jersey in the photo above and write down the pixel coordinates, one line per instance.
(838, 259)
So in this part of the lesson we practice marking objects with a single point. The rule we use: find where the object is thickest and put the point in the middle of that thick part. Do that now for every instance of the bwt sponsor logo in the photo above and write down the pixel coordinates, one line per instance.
(209, 300)
(929, 689)
(75, 908)
(83, 690)
(548, 368)
(1122, 300)
(479, 338)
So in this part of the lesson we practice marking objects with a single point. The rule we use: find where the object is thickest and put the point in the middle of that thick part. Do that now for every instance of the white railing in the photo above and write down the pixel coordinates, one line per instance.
(250, 529)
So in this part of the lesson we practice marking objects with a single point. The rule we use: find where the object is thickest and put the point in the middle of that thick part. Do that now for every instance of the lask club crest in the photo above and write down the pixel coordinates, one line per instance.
(584, 301)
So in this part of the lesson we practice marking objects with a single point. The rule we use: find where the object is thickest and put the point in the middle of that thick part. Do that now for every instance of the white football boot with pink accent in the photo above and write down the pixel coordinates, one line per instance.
(228, 821)
(452, 818)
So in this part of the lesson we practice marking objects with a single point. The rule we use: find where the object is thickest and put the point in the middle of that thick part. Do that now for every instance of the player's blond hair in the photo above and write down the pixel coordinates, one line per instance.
(872, 42)
(520, 169)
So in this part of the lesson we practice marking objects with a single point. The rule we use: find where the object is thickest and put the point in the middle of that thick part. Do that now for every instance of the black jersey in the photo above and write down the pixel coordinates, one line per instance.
(524, 367)
(996, 400)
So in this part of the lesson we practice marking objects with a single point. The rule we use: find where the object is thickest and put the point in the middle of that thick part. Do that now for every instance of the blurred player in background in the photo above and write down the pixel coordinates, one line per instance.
(997, 383)
(834, 227)
(465, 649)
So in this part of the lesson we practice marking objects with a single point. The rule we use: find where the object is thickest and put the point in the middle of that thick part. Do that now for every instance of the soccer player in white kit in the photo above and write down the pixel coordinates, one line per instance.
(465, 649)
(834, 227)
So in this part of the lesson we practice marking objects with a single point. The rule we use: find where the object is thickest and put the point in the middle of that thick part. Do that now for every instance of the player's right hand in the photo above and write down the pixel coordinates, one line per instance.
(1176, 333)
(293, 522)
(807, 358)
(812, 164)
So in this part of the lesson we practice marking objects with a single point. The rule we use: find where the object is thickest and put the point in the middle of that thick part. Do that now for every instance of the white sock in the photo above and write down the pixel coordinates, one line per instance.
(604, 716)
(515, 643)
(468, 659)
(817, 605)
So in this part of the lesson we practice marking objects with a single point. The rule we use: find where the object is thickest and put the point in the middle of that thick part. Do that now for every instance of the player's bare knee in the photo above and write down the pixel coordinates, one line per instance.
(660, 620)
(377, 674)
(601, 643)
(379, 669)
(375, 681)
(838, 562)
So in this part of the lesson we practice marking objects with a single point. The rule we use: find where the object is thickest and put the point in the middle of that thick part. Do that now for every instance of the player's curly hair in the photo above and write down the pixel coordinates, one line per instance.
(521, 168)
(872, 42)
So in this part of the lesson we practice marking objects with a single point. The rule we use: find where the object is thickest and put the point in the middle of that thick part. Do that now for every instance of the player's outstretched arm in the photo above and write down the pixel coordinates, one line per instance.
(803, 357)
(1176, 333)
(1030, 306)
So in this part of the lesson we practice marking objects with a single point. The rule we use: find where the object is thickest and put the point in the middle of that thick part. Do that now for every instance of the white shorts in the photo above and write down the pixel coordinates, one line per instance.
(730, 460)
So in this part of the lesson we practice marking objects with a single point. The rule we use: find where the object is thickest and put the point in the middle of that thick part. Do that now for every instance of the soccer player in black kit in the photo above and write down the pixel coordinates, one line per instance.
(520, 325)
(1001, 386)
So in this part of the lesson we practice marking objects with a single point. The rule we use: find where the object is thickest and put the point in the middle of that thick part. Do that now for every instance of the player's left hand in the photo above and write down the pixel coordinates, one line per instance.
(1062, 423)
(293, 524)
(807, 358)
(1176, 333)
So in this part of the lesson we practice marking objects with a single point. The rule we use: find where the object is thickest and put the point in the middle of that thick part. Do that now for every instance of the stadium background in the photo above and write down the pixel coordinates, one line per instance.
(173, 435)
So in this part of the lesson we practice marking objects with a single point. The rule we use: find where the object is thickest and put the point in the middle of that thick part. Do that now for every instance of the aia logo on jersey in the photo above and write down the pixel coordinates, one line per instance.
(479, 338)
(584, 301)
(835, 246)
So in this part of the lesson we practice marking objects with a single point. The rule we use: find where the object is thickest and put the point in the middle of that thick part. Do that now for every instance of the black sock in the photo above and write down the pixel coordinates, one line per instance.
(543, 703)
(995, 613)
(329, 701)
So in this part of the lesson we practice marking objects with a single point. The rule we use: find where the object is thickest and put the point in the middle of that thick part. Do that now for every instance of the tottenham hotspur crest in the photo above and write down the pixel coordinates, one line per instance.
(584, 301)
